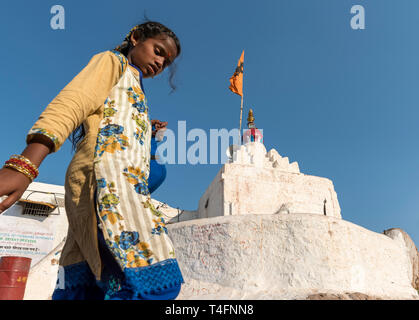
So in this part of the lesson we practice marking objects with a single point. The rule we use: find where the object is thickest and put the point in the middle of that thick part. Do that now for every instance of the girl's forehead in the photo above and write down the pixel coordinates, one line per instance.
(168, 45)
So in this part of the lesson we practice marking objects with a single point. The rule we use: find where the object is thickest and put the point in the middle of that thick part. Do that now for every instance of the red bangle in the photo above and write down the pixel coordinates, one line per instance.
(24, 165)
(19, 161)
(27, 161)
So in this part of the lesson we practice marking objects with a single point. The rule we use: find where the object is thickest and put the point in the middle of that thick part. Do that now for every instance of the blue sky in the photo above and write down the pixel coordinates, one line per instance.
(341, 102)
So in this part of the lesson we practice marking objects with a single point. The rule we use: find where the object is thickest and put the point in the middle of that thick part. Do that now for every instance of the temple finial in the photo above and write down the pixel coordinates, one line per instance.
(250, 118)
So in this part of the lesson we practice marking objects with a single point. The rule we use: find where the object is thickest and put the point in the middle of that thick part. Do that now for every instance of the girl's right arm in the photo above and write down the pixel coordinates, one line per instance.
(80, 98)
(13, 183)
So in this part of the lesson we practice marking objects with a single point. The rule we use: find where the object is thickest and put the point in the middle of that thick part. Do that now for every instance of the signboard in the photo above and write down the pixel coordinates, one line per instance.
(25, 235)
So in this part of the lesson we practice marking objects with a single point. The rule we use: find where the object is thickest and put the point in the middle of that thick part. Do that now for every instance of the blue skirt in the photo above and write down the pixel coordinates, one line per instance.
(81, 284)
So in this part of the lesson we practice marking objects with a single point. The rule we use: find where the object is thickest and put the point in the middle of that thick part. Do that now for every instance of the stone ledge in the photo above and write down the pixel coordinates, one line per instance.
(287, 252)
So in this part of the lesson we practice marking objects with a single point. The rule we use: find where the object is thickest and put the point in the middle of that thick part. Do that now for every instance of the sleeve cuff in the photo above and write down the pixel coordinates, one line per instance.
(45, 133)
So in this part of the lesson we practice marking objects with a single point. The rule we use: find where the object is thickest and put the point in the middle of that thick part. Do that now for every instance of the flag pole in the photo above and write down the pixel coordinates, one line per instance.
(241, 116)
(236, 86)
(241, 106)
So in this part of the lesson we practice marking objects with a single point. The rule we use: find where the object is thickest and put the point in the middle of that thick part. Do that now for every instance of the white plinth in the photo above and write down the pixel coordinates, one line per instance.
(287, 256)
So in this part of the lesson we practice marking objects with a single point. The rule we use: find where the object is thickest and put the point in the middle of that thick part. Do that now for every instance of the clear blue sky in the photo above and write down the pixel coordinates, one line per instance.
(343, 103)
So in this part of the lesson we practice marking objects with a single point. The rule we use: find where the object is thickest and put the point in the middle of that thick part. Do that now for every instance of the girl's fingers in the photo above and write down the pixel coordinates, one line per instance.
(158, 123)
(161, 126)
(8, 201)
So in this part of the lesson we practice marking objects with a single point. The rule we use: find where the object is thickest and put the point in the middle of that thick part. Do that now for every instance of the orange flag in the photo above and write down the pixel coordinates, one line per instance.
(236, 81)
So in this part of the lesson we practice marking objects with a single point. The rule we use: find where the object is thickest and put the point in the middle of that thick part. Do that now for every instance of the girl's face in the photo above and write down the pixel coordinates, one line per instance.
(153, 55)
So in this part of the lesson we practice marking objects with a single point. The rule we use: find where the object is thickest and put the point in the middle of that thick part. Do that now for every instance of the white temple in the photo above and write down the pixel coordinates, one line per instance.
(264, 230)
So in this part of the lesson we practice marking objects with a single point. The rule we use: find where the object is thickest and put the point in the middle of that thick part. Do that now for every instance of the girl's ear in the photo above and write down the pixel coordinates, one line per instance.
(133, 40)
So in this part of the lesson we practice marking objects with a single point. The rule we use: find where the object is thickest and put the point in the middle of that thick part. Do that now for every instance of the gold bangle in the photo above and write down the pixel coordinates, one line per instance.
(26, 160)
(20, 169)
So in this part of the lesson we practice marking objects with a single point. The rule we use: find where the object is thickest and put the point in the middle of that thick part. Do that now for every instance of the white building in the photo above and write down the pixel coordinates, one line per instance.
(36, 227)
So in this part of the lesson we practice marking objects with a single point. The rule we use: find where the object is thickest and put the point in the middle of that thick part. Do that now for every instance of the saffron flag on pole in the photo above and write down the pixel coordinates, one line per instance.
(236, 81)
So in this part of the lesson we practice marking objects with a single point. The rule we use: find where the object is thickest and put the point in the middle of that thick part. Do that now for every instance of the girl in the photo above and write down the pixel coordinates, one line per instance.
(117, 245)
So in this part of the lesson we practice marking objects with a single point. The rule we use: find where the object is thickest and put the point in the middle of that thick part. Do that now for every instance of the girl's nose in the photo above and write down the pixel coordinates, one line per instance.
(160, 62)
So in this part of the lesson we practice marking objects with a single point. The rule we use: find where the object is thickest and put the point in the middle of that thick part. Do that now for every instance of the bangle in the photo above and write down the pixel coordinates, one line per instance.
(22, 165)
(27, 161)
(19, 169)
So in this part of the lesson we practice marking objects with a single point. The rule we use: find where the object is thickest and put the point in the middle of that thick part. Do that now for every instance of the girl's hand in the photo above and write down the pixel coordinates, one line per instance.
(158, 125)
(12, 184)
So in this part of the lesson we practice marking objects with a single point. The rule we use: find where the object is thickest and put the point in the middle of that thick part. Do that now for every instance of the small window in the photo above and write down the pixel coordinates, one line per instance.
(36, 208)
(39, 208)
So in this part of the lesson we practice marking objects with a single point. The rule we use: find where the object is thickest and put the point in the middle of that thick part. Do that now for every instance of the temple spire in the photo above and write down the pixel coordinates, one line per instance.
(250, 119)
(252, 134)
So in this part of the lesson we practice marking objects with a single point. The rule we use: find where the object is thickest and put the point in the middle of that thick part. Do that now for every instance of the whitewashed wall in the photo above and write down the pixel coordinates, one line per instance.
(260, 182)
(38, 237)
(287, 256)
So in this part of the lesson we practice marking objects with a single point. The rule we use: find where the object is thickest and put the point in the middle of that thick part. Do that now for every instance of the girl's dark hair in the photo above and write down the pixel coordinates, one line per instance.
(142, 32)
(76, 136)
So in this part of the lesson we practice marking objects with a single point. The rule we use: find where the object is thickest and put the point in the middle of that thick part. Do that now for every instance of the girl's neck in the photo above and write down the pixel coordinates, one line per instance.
(141, 75)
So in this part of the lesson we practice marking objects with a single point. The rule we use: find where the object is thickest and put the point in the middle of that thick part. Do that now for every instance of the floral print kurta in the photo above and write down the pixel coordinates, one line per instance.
(112, 160)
